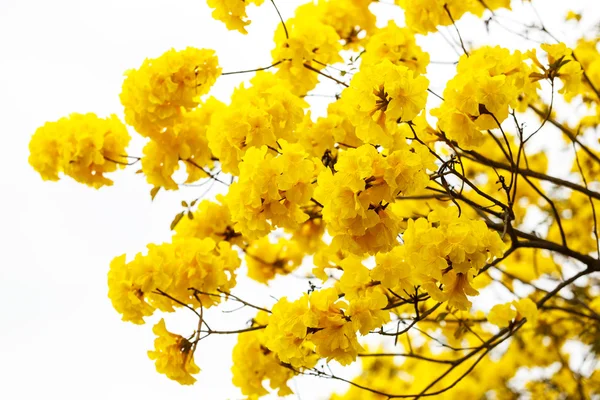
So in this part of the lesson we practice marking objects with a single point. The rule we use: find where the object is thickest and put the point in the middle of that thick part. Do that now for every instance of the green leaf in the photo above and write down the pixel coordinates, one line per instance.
(154, 191)
(177, 219)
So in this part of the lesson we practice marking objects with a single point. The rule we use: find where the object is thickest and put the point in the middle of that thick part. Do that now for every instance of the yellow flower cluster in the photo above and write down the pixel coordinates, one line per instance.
(254, 363)
(187, 142)
(309, 236)
(265, 260)
(424, 16)
(350, 18)
(448, 249)
(384, 94)
(487, 83)
(259, 115)
(82, 146)
(560, 65)
(319, 137)
(174, 355)
(318, 321)
(502, 314)
(365, 296)
(588, 57)
(357, 196)
(232, 13)
(400, 221)
(161, 100)
(394, 272)
(156, 94)
(398, 45)
(210, 220)
(271, 190)
(325, 322)
(312, 45)
(173, 268)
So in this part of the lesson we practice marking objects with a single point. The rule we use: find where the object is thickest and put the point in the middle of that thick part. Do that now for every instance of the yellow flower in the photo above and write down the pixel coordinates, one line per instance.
(526, 309)
(501, 314)
(174, 355)
(258, 115)
(394, 272)
(232, 13)
(271, 190)
(456, 287)
(397, 45)
(265, 260)
(286, 333)
(309, 236)
(424, 16)
(82, 146)
(572, 16)
(324, 322)
(127, 291)
(311, 43)
(449, 249)
(158, 164)
(173, 268)
(333, 331)
(383, 94)
(487, 84)
(184, 142)
(156, 94)
(211, 220)
(254, 363)
(562, 65)
(349, 18)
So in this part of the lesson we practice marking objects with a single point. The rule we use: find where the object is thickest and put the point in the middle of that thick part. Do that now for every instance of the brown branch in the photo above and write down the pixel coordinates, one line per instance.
(287, 35)
(310, 67)
(407, 355)
(253, 70)
(567, 132)
(474, 156)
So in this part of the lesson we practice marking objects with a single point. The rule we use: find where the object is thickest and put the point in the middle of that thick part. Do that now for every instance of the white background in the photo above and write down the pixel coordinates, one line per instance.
(59, 336)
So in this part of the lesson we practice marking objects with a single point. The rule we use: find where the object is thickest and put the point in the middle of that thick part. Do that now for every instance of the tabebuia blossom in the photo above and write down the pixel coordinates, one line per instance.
(360, 198)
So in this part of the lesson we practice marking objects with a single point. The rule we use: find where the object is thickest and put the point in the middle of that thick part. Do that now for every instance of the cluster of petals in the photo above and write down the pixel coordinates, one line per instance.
(265, 259)
(384, 94)
(254, 363)
(82, 146)
(318, 322)
(161, 89)
(450, 249)
(355, 198)
(258, 115)
(306, 46)
(488, 83)
(136, 288)
(424, 16)
(271, 190)
(173, 355)
(232, 13)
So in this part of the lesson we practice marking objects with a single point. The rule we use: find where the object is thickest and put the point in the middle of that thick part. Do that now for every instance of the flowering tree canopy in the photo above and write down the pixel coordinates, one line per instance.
(385, 214)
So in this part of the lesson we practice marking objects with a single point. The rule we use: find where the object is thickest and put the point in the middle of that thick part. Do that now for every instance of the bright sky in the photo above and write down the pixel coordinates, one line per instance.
(59, 336)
